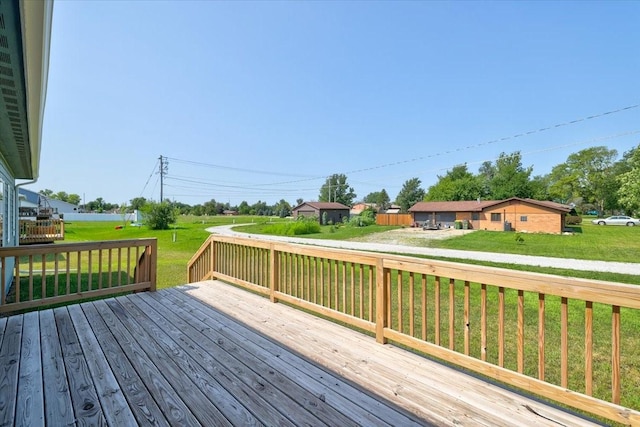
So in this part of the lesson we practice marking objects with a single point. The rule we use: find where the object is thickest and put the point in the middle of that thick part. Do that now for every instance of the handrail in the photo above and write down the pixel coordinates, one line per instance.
(41, 231)
(542, 333)
(65, 272)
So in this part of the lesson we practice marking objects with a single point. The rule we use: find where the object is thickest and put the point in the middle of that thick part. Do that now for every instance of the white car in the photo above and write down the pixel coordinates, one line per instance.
(617, 220)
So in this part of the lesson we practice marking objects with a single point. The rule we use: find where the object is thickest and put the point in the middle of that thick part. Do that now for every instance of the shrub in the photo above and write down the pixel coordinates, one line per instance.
(296, 228)
(573, 220)
(158, 216)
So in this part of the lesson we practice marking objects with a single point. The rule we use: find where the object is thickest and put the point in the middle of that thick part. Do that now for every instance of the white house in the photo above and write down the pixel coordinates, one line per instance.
(30, 200)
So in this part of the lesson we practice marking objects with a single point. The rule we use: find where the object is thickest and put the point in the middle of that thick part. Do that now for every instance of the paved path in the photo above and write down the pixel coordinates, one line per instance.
(565, 263)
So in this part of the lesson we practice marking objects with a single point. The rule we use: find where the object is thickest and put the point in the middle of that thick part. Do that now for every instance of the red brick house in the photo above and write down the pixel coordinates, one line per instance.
(525, 215)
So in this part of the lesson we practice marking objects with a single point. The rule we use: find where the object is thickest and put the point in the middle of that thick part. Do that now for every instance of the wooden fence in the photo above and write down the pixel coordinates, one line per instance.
(569, 340)
(60, 273)
(394, 219)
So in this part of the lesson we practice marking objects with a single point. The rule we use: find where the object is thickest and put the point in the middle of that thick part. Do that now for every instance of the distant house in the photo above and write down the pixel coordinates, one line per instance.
(30, 202)
(393, 209)
(229, 212)
(525, 215)
(335, 212)
(357, 208)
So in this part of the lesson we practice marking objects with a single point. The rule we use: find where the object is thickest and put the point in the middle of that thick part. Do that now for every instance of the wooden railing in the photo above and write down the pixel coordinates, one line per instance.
(41, 231)
(61, 273)
(571, 340)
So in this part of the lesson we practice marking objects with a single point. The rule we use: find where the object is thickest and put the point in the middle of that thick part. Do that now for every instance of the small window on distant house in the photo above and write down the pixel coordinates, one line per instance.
(475, 216)
(496, 217)
(523, 218)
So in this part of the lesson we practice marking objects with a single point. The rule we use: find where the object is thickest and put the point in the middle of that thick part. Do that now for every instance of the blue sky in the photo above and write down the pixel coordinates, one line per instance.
(263, 100)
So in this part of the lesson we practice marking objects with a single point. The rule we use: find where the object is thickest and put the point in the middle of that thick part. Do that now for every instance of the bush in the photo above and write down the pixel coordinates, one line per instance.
(158, 216)
(296, 228)
(573, 220)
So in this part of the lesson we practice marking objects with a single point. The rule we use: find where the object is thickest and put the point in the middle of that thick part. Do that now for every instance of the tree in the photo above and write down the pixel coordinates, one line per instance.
(410, 194)
(540, 187)
(159, 216)
(299, 202)
(589, 174)
(457, 184)
(74, 199)
(380, 198)
(197, 210)
(137, 203)
(336, 189)
(510, 178)
(629, 181)
(243, 208)
(282, 208)
(261, 208)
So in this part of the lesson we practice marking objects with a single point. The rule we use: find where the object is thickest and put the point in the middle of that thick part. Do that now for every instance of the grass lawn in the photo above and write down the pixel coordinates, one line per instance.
(326, 232)
(175, 246)
(590, 242)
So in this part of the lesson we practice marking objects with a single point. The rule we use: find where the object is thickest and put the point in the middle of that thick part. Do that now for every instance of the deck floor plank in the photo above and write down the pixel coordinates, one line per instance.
(86, 405)
(171, 360)
(212, 354)
(260, 396)
(212, 377)
(363, 409)
(58, 405)
(30, 400)
(170, 402)
(359, 358)
(3, 325)
(291, 397)
(144, 407)
(9, 365)
(383, 375)
(115, 407)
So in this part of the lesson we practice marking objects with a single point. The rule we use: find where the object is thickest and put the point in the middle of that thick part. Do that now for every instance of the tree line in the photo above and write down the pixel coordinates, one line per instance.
(593, 179)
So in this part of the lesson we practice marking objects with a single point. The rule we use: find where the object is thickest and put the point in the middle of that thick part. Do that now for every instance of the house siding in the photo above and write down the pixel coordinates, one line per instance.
(320, 210)
(539, 219)
(530, 216)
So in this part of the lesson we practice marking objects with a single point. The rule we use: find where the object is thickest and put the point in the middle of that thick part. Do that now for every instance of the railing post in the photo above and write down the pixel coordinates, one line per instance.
(274, 273)
(381, 301)
(152, 258)
(212, 262)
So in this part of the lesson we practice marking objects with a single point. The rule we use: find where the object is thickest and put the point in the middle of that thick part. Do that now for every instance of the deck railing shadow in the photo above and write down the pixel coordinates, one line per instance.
(573, 341)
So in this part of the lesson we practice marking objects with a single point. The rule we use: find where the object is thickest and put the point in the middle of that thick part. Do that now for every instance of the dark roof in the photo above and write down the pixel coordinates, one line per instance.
(458, 206)
(323, 205)
(478, 206)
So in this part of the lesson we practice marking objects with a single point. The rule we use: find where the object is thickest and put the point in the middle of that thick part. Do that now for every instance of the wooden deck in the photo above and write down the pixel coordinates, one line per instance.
(211, 354)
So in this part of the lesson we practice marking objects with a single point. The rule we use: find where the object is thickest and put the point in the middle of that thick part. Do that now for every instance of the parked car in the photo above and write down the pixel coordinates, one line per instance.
(617, 220)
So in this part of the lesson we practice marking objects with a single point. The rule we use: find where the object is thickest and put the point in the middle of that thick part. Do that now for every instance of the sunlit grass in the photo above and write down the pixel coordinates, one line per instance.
(590, 242)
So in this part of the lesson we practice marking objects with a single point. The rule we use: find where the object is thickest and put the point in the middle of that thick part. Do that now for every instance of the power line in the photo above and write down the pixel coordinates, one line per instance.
(264, 188)
(148, 179)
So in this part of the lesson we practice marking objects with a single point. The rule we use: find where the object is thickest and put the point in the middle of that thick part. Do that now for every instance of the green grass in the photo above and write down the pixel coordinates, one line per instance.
(329, 232)
(590, 242)
(175, 246)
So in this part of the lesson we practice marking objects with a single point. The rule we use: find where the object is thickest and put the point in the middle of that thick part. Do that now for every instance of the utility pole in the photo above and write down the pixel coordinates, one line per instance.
(163, 169)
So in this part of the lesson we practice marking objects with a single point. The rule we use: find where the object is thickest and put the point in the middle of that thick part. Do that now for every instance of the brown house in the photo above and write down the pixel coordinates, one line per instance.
(335, 212)
(525, 215)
